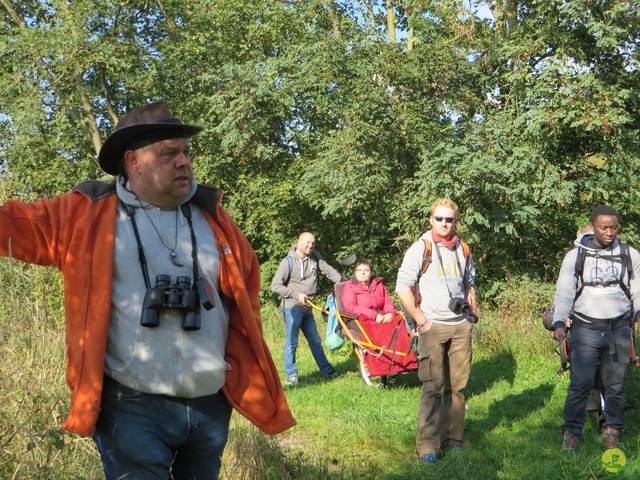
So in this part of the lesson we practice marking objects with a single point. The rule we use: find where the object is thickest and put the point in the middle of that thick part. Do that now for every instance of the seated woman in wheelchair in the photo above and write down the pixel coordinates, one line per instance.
(366, 298)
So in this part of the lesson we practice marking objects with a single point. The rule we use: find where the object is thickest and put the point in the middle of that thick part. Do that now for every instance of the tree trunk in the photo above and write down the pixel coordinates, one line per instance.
(410, 32)
(510, 14)
(335, 20)
(391, 21)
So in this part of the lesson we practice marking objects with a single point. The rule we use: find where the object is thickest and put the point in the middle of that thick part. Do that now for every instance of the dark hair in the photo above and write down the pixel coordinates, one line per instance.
(122, 171)
(363, 262)
(604, 210)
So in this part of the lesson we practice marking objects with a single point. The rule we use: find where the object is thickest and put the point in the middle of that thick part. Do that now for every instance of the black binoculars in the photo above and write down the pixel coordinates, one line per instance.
(177, 296)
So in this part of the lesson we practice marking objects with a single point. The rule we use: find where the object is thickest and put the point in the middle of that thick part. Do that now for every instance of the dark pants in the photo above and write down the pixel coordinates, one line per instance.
(145, 436)
(589, 351)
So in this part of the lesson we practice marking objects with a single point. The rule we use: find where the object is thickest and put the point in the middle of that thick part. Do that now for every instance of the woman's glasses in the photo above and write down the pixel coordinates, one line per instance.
(446, 219)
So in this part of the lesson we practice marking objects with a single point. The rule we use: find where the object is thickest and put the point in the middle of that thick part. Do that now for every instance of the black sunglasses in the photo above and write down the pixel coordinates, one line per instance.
(446, 219)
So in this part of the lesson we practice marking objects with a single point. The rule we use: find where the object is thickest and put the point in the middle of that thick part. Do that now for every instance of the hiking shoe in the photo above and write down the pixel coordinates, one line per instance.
(570, 442)
(429, 458)
(292, 380)
(610, 437)
(457, 447)
(331, 374)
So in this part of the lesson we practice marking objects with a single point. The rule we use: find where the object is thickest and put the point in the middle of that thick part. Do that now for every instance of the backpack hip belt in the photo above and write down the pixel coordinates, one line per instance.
(610, 323)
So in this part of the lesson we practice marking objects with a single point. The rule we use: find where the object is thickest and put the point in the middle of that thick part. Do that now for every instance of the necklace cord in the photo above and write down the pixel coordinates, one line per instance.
(172, 251)
(186, 211)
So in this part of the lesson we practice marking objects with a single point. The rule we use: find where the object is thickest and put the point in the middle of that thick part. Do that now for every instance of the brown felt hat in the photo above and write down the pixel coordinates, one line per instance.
(151, 119)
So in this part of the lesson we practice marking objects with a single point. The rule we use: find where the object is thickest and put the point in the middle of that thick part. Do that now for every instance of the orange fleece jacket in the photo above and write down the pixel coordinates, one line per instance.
(75, 233)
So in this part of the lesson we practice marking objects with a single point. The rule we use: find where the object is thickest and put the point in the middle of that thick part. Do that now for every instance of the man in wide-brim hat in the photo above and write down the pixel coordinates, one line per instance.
(140, 127)
(163, 325)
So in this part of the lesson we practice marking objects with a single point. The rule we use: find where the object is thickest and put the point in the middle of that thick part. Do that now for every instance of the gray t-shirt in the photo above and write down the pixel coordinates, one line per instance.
(448, 276)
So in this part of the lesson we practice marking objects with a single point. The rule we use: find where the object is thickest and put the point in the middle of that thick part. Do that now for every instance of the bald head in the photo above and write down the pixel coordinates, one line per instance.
(306, 244)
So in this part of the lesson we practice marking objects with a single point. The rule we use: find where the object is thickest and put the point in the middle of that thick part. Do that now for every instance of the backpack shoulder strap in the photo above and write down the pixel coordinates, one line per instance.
(428, 254)
(426, 257)
(579, 267)
(466, 250)
(625, 253)
(313, 256)
(625, 259)
(578, 271)
(290, 260)
(426, 261)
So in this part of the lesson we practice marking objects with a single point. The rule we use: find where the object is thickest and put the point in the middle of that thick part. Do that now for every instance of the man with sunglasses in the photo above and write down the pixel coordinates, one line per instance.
(444, 314)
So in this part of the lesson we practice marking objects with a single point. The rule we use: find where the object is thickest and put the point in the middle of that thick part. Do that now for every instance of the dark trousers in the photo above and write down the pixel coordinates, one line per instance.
(589, 351)
(146, 436)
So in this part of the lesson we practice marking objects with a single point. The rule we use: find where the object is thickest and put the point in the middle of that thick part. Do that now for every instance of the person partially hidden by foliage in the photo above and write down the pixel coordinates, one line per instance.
(436, 289)
(367, 298)
(599, 290)
(163, 325)
(295, 281)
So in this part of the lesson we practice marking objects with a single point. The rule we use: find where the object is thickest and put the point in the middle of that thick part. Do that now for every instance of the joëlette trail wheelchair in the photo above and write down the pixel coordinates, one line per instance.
(380, 360)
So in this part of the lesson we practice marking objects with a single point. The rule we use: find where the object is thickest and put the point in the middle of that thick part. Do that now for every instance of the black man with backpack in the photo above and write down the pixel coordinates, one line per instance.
(599, 289)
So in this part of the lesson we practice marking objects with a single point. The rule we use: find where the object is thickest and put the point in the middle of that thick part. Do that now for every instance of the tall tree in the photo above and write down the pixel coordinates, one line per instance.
(317, 118)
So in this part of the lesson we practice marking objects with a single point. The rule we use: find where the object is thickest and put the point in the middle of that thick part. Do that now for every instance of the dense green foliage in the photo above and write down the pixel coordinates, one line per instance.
(319, 117)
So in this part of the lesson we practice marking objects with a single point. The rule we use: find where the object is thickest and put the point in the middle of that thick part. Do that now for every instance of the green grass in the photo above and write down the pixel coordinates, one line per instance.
(512, 429)
(345, 429)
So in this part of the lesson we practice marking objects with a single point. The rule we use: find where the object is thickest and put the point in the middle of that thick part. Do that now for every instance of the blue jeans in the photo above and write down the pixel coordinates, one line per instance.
(141, 435)
(589, 351)
(296, 320)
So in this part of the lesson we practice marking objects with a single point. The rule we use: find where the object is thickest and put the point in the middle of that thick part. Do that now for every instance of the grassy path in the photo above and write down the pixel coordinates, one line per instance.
(515, 398)
(345, 429)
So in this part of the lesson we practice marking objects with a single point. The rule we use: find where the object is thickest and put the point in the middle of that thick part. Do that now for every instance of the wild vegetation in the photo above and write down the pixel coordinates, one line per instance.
(345, 118)
(346, 430)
